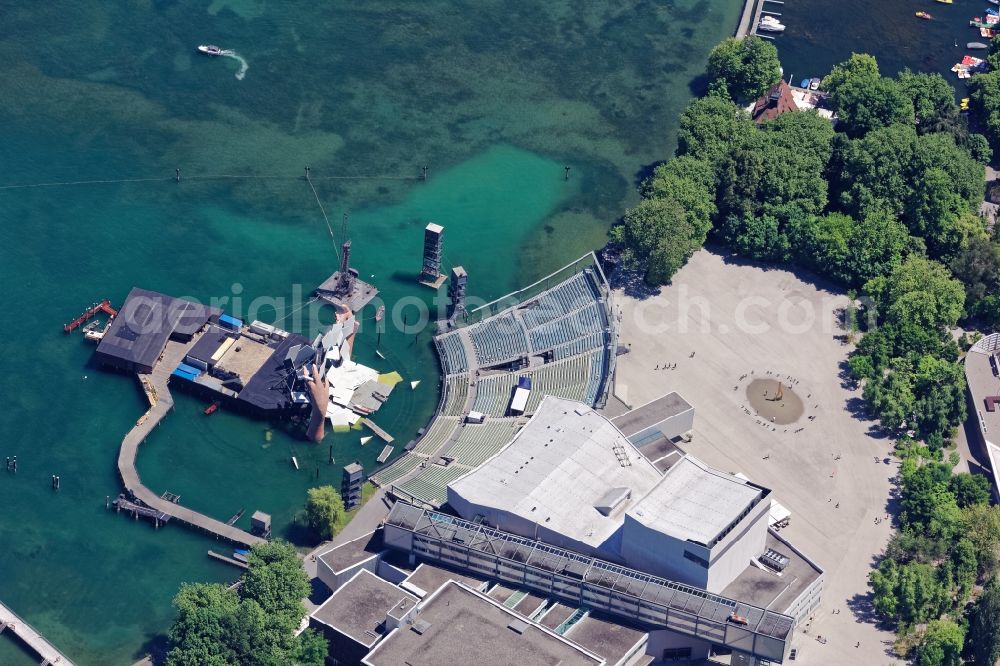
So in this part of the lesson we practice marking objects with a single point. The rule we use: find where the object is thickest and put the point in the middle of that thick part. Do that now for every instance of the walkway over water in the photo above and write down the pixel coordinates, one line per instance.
(162, 402)
(47, 652)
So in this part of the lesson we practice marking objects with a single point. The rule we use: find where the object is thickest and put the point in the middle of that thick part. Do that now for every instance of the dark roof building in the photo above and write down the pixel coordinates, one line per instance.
(357, 615)
(457, 625)
(773, 103)
(145, 323)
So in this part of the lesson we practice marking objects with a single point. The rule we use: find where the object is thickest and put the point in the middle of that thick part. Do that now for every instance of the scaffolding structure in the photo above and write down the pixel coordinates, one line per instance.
(430, 272)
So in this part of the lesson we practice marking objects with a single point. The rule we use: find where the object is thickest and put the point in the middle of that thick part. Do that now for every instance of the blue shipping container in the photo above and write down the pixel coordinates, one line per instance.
(183, 375)
(189, 369)
(231, 323)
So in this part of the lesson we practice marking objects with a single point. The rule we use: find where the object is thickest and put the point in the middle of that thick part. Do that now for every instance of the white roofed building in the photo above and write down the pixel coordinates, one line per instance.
(566, 478)
(572, 479)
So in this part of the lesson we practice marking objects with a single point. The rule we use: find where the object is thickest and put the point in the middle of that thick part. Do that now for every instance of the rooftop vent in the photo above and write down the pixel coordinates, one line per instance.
(518, 626)
(612, 499)
(774, 560)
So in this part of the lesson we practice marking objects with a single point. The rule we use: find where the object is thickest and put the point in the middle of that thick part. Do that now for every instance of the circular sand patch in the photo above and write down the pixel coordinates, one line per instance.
(787, 408)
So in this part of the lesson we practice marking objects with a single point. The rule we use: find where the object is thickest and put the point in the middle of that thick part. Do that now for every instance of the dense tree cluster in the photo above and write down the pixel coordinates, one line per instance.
(948, 541)
(254, 625)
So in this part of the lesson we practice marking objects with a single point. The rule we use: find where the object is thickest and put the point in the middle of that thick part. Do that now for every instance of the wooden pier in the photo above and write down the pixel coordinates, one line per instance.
(162, 403)
(750, 18)
(378, 431)
(228, 560)
(47, 653)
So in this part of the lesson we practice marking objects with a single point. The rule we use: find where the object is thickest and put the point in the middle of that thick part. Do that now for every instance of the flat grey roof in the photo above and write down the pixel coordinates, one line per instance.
(430, 577)
(650, 414)
(146, 321)
(359, 607)
(556, 614)
(209, 343)
(695, 502)
(465, 627)
(983, 384)
(558, 468)
(352, 552)
(769, 590)
(658, 448)
(602, 635)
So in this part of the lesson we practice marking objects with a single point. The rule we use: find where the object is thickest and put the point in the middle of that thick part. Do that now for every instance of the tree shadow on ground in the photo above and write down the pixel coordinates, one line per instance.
(632, 283)
(863, 609)
(299, 533)
(819, 282)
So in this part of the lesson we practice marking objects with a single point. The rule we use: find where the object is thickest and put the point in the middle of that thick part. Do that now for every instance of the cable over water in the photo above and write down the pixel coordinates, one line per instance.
(115, 181)
(329, 227)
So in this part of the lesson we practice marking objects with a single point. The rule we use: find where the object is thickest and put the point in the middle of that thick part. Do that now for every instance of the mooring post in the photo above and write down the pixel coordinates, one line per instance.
(331, 454)
(107, 502)
(423, 175)
(317, 472)
(177, 175)
(566, 174)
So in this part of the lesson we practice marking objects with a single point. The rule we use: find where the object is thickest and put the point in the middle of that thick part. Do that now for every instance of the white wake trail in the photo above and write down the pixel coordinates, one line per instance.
(243, 63)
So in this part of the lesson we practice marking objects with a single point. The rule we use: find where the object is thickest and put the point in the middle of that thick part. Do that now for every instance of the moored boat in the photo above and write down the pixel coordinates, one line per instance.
(977, 45)
(814, 84)
(923, 15)
(771, 24)
(211, 408)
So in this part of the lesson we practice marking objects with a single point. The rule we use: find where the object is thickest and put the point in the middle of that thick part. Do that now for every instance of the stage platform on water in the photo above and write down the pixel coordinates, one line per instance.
(361, 293)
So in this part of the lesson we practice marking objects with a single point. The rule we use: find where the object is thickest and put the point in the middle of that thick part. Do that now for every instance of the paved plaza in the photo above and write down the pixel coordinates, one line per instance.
(718, 327)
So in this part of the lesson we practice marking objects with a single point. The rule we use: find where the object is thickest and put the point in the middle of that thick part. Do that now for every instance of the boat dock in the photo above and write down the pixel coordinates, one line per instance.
(228, 560)
(386, 452)
(48, 653)
(161, 402)
(104, 306)
(750, 18)
(378, 431)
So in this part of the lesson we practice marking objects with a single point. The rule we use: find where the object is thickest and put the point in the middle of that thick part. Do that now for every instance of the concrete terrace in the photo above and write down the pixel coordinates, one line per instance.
(721, 320)
(173, 354)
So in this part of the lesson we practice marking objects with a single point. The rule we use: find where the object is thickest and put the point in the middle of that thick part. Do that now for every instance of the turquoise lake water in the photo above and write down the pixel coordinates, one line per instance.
(494, 97)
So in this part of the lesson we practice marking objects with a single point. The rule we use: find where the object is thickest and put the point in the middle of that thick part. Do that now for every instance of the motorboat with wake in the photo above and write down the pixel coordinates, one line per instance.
(210, 49)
